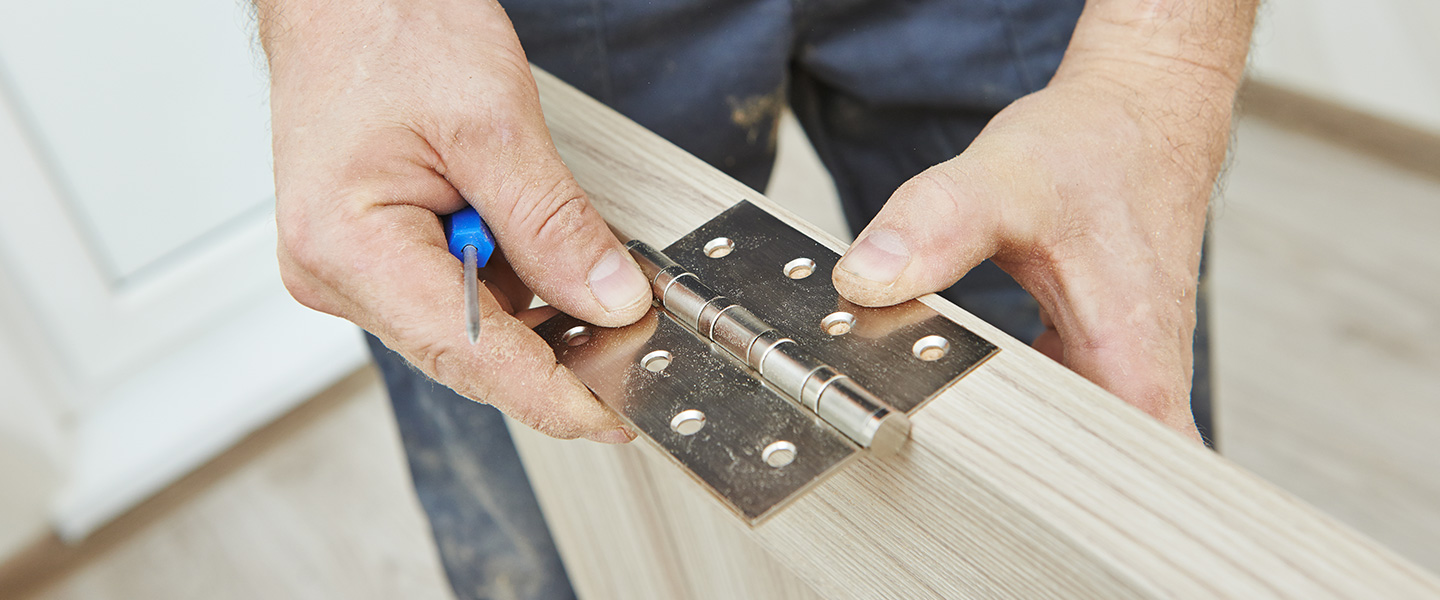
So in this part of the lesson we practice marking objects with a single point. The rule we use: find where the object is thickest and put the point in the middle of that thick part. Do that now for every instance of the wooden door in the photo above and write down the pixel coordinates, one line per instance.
(1021, 481)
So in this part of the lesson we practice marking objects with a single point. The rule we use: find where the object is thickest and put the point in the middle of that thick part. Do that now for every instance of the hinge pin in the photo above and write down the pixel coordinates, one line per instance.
(834, 397)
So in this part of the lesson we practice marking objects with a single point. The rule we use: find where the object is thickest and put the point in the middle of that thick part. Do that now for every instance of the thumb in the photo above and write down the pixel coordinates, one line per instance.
(933, 230)
(559, 246)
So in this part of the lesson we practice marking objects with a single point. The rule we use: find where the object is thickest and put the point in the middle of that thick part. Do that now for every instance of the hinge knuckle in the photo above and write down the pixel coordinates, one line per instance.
(684, 297)
(651, 261)
(849, 408)
(858, 413)
(710, 313)
(737, 330)
(787, 368)
(762, 345)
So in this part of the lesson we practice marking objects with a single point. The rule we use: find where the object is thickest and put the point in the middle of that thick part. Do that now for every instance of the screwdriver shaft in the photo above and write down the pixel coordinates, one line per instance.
(472, 294)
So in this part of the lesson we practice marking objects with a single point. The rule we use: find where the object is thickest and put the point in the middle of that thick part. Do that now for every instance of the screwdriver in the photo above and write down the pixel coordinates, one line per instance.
(470, 241)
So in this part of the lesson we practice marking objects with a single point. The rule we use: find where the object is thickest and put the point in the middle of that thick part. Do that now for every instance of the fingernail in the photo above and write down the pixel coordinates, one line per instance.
(617, 435)
(880, 256)
(617, 282)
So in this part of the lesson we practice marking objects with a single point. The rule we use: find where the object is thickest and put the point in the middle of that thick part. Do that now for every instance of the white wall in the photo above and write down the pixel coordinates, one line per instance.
(32, 441)
(1378, 56)
(152, 114)
(143, 325)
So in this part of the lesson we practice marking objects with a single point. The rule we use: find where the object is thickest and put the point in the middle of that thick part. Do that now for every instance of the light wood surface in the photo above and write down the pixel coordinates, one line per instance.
(1023, 480)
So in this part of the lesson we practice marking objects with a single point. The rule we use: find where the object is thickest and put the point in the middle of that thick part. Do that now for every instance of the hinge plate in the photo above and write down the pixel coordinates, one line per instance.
(743, 415)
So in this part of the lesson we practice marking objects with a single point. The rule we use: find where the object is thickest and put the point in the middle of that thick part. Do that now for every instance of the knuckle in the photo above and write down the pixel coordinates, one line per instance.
(299, 266)
(940, 194)
(303, 288)
(433, 357)
(556, 212)
(294, 237)
(931, 186)
(300, 263)
(453, 131)
(314, 234)
(305, 230)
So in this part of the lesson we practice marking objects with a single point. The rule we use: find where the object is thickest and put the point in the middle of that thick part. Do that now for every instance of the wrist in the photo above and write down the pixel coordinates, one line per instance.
(1191, 113)
(297, 30)
(1186, 56)
(280, 23)
(1161, 89)
(1175, 65)
(1204, 39)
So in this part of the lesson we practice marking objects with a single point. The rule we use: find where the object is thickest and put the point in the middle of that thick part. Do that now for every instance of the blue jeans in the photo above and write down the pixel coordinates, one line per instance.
(884, 90)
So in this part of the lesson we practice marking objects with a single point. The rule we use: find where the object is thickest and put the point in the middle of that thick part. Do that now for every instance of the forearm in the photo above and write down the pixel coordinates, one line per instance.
(350, 28)
(1203, 40)
(279, 21)
(1175, 64)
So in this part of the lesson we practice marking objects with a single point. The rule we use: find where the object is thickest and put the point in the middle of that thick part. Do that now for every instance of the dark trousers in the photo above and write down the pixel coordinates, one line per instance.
(884, 90)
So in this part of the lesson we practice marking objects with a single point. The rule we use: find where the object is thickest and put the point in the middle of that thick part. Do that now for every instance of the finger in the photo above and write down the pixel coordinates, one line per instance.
(1111, 322)
(1048, 342)
(504, 302)
(505, 165)
(933, 230)
(533, 317)
(398, 281)
(501, 276)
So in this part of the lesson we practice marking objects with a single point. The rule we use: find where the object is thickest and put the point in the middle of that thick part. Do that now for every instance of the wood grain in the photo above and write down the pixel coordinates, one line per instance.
(1023, 480)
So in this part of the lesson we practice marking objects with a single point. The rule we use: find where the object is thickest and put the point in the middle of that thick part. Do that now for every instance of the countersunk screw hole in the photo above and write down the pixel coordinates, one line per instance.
(688, 422)
(656, 361)
(931, 348)
(576, 335)
(838, 323)
(719, 247)
(799, 268)
(779, 454)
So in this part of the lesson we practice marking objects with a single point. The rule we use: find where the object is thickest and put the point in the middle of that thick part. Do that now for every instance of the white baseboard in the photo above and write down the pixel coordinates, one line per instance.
(198, 401)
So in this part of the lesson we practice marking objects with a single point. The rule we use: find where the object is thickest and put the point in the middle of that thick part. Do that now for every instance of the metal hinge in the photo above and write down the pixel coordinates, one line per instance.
(752, 373)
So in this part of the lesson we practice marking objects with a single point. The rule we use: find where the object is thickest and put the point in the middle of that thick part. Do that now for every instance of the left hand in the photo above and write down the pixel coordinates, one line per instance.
(1092, 194)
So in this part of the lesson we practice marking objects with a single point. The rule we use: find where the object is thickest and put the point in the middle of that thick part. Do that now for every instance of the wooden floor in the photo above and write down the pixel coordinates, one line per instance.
(316, 507)
(1327, 286)
(1326, 281)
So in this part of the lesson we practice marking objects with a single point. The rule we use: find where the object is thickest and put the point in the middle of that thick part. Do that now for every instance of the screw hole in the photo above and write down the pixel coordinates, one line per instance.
(838, 323)
(931, 348)
(779, 454)
(576, 335)
(688, 422)
(719, 247)
(656, 361)
(799, 268)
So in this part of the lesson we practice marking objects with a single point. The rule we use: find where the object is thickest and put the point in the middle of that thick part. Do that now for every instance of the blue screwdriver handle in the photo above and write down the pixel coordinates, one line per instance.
(466, 228)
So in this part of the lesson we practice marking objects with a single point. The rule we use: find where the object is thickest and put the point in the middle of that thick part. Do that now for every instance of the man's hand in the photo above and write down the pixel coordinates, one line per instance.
(1092, 193)
(388, 113)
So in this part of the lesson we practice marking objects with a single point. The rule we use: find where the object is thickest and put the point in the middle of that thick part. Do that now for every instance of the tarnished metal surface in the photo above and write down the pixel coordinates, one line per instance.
(741, 415)
(877, 351)
(746, 427)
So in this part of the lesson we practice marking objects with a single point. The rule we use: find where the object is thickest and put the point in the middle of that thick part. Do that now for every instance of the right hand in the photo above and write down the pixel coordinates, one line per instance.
(387, 113)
